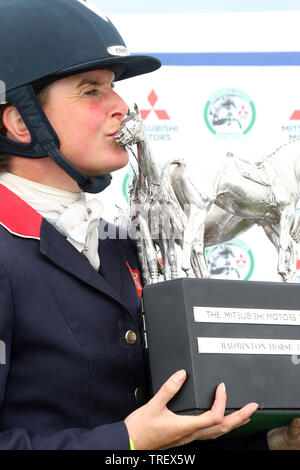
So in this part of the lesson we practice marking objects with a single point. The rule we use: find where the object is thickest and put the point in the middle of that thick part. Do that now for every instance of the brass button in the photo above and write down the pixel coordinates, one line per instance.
(139, 394)
(130, 337)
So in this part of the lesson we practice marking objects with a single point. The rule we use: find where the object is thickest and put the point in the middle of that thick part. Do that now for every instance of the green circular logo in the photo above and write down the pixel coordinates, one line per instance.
(230, 260)
(125, 185)
(229, 111)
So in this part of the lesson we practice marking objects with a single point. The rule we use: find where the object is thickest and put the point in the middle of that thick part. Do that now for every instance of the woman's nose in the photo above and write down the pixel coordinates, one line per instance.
(119, 109)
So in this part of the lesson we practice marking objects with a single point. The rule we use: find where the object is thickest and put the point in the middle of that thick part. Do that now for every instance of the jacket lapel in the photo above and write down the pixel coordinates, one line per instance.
(57, 249)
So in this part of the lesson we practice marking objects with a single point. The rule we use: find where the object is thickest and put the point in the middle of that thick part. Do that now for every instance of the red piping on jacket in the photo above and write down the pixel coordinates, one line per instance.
(17, 216)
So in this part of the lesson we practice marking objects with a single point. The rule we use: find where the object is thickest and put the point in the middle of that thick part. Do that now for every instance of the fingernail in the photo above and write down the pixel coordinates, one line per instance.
(222, 386)
(254, 407)
(179, 376)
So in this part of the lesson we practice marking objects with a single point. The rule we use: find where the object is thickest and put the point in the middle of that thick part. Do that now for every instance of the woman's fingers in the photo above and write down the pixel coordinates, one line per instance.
(168, 390)
(229, 422)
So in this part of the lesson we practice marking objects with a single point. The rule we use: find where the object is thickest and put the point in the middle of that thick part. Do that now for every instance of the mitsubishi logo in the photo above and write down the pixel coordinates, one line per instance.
(160, 113)
(295, 115)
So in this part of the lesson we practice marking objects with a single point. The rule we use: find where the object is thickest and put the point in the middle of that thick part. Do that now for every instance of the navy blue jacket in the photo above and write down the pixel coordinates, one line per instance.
(67, 375)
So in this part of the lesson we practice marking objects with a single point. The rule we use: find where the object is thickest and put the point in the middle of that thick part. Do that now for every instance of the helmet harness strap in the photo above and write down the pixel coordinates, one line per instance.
(44, 140)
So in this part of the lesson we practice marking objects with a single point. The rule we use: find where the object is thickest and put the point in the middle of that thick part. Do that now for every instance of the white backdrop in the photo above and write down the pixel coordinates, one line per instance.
(179, 103)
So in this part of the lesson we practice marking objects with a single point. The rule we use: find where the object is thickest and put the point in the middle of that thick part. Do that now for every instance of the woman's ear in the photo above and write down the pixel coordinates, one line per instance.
(16, 128)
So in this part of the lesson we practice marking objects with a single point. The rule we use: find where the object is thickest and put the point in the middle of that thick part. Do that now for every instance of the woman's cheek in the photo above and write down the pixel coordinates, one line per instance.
(96, 115)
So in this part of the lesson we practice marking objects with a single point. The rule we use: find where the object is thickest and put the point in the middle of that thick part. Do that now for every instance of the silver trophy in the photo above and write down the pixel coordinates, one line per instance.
(245, 334)
(171, 209)
(147, 219)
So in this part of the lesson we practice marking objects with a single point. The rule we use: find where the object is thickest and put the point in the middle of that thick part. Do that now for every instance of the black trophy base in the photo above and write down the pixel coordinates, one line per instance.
(243, 333)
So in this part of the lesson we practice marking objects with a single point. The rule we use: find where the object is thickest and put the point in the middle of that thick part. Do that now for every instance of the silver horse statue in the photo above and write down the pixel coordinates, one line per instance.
(147, 220)
(261, 192)
(154, 222)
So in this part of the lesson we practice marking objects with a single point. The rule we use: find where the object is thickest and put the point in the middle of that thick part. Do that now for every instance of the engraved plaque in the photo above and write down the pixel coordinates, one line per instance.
(248, 346)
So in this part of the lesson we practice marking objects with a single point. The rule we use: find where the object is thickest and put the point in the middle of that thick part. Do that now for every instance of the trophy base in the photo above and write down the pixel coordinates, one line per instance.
(243, 333)
(261, 420)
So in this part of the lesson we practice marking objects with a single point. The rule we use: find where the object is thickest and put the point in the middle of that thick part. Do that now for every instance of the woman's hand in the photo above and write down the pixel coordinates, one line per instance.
(154, 426)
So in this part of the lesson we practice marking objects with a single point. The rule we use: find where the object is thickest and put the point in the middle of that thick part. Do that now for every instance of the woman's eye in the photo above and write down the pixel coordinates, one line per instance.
(91, 92)
(98, 91)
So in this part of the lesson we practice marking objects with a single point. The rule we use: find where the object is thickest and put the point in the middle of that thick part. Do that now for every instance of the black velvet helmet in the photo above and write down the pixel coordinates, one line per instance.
(44, 40)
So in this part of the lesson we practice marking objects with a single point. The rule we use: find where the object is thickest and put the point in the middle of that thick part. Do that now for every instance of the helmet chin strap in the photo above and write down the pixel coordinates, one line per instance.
(44, 140)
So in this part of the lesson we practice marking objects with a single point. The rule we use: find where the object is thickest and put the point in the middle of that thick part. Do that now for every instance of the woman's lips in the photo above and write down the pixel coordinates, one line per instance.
(113, 134)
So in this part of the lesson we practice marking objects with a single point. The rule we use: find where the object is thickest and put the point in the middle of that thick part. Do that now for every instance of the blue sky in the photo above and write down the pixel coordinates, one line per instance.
(193, 6)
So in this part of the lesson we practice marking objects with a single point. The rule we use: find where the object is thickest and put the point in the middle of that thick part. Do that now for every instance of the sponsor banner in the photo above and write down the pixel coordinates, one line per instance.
(248, 346)
(246, 315)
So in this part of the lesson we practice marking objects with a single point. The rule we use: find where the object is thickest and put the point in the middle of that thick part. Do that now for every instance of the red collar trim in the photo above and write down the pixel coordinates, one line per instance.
(17, 216)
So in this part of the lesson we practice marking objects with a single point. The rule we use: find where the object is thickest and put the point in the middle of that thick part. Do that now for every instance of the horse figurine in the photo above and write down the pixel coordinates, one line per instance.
(147, 219)
(151, 221)
(261, 192)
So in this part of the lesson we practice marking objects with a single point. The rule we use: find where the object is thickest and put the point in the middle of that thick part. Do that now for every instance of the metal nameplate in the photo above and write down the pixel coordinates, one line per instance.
(248, 346)
(246, 315)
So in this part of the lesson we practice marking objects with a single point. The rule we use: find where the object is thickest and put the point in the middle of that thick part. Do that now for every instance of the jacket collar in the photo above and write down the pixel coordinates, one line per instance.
(20, 219)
